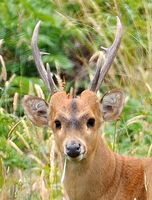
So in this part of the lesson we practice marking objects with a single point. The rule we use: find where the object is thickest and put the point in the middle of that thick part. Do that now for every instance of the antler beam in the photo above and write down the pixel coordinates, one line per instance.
(45, 75)
(101, 70)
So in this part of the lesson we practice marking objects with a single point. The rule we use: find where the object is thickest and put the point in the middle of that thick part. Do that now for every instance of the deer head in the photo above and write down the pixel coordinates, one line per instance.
(76, 121)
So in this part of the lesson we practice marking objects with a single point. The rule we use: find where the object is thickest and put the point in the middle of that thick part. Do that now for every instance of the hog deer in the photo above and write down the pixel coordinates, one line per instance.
(93, 171)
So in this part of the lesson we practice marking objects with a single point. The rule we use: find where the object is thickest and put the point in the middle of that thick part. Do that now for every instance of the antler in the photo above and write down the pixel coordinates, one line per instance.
(110, 54)
(45, 75)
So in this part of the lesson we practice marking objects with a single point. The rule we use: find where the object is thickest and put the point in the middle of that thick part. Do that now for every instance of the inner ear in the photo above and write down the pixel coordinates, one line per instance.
(112, 104)
(36, 109)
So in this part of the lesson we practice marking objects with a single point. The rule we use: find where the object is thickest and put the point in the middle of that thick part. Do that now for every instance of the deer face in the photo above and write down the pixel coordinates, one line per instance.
(75, 121)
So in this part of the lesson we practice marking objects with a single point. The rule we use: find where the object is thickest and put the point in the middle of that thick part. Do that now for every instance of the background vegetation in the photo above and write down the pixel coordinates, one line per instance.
(71, 32)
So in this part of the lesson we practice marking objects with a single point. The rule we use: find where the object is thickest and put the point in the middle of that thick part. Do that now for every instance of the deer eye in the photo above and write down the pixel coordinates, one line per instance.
(57, 124)
(91, 123)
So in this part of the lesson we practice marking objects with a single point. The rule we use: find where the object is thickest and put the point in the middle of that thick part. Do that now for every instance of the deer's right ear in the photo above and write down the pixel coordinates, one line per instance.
(36, 109)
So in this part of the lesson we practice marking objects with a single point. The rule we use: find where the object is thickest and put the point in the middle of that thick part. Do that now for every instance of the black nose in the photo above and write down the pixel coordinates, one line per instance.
(73, 149)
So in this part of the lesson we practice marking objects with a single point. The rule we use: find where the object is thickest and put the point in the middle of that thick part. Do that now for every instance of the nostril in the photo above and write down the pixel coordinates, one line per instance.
(73, 147)
(78, 146)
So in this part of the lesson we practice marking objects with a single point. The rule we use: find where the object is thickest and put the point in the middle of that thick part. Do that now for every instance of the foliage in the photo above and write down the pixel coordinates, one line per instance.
(71, 31)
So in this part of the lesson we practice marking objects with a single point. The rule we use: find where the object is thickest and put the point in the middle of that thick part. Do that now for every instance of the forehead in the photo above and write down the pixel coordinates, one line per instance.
(62, 102)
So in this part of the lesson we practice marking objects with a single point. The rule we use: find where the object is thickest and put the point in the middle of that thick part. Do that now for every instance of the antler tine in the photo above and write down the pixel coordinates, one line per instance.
(46, 77)
(109, 57)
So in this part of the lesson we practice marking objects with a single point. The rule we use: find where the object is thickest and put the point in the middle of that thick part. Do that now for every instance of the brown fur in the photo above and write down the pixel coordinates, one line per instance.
(101, 174)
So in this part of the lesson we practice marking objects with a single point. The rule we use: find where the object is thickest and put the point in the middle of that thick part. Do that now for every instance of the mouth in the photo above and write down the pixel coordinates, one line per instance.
(78, 158)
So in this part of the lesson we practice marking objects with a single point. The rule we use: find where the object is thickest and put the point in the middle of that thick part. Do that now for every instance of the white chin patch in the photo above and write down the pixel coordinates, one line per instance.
(78, 158)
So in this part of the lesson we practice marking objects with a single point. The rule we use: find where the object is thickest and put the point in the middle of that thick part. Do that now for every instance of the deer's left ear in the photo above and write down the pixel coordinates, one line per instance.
(112, 104)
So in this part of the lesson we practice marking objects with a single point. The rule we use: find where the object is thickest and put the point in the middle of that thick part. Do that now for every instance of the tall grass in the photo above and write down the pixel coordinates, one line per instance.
(28, 167)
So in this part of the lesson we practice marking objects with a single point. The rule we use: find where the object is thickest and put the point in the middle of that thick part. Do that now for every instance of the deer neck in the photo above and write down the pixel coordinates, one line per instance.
(95, 173)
